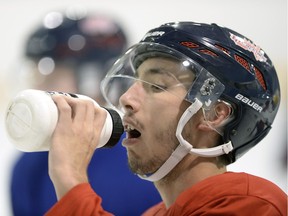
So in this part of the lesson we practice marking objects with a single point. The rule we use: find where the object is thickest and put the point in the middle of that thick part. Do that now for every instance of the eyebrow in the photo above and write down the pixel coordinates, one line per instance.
(155, 71)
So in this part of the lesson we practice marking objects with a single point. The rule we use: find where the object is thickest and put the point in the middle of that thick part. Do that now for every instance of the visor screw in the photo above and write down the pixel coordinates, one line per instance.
(207, 89)
(211, 82)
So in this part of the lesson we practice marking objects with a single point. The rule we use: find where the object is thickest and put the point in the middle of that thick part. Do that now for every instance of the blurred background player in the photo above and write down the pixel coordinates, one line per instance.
(70, 53)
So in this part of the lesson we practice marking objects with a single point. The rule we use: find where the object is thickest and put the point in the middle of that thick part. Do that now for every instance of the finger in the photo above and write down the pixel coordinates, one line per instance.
(78, 108)
(90, 110)
(64, 109)
(89, 118)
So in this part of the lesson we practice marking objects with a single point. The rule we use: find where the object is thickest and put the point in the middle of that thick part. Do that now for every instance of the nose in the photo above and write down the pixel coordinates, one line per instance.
(130, 101)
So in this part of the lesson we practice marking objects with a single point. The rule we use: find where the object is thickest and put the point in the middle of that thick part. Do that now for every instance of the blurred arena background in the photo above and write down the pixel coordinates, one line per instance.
(263, 21)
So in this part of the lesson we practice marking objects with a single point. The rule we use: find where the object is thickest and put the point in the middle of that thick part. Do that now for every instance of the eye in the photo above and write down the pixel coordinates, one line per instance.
(158, 88)
(153, 88)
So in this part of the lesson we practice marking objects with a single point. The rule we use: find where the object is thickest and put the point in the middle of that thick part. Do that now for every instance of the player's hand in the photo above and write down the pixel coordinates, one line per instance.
(74, 140)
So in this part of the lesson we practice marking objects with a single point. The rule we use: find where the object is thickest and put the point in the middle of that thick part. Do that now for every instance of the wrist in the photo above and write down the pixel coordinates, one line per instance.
(64, 180)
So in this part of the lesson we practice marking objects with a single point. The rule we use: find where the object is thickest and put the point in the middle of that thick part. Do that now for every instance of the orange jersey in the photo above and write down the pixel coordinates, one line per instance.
(225, 194)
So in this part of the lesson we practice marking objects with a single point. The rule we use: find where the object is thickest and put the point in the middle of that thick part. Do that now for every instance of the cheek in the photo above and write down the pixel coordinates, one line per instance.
(164, 131)
(161, 124)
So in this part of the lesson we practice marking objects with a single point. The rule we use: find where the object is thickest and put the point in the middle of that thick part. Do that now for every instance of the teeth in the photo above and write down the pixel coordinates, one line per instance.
(129, 128)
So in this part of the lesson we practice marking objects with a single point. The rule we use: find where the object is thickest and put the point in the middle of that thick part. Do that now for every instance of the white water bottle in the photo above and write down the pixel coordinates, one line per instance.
(32, 115)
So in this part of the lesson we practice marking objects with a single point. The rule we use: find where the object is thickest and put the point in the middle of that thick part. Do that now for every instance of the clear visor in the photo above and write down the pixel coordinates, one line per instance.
(159, 68)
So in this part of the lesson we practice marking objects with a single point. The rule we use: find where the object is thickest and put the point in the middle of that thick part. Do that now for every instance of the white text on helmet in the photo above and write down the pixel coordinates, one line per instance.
(153, 34)
(249, 102)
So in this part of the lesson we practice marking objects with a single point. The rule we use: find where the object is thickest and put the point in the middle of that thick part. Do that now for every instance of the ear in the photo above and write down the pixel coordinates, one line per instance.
(216, 117)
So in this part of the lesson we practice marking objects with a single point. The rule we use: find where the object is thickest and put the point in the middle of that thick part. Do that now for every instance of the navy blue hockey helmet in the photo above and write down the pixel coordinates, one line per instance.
(75, 39)
(85, 44)
(246, 76)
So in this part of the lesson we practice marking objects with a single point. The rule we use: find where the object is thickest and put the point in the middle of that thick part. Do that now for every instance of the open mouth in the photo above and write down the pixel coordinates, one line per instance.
(131, 132)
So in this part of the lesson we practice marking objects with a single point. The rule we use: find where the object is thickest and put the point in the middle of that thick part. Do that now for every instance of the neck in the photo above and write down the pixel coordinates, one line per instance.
(188, 172)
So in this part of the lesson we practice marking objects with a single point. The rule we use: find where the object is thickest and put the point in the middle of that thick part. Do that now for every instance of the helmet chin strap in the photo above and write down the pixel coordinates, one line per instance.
(182, 149)
(185, 147)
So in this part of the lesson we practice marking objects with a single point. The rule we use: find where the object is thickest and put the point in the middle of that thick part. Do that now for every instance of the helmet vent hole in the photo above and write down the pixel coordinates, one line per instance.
(208, 52)
(226, 51)
(260, 78)
(242, 61)
(189, 44)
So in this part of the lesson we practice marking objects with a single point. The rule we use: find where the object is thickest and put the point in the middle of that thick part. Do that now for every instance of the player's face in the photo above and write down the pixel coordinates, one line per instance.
(153, 107)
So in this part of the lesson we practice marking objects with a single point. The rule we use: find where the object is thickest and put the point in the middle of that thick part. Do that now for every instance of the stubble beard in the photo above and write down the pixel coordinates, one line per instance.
(148, 164)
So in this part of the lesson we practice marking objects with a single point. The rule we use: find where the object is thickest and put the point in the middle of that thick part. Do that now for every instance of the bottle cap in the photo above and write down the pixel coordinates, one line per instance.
(117, 129)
